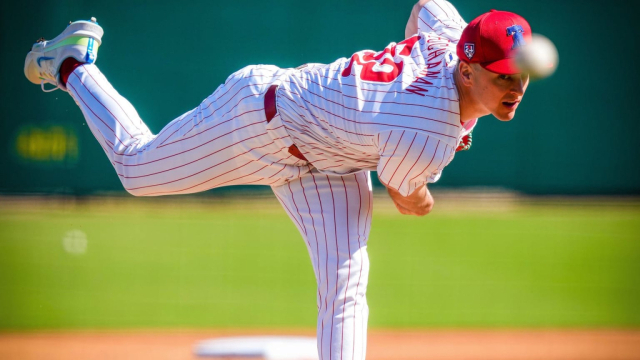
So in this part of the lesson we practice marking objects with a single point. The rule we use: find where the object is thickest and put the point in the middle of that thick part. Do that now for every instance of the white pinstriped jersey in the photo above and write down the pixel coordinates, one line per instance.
(395, 111)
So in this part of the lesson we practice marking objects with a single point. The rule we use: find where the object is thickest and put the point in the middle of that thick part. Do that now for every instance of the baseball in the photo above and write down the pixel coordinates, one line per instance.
(539, 58)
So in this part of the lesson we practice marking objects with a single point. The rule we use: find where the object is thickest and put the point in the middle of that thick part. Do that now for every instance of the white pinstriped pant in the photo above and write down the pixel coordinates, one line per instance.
(227, 141)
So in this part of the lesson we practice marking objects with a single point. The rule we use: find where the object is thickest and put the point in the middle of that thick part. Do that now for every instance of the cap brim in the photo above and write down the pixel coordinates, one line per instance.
(503, 67)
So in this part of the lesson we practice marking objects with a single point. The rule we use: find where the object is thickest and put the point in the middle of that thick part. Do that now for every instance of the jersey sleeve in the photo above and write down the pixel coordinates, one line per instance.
(468, 127)
(441, 18)
(411, 159)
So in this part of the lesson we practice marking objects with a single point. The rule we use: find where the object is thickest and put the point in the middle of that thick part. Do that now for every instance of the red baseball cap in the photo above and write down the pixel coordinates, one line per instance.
(492, 40)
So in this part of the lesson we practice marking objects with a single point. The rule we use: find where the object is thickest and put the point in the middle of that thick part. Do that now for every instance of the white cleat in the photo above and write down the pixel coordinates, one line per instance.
(79, 40)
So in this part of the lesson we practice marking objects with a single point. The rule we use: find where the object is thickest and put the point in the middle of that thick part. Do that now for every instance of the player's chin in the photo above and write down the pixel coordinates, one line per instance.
(506, 113)
(505, 117)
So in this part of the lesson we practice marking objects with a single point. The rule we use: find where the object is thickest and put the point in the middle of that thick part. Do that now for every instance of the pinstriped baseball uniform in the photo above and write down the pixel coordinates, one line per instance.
(224, 141)
(394, 111)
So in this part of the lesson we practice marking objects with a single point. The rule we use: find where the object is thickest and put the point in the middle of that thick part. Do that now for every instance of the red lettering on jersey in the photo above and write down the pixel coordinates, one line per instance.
(381, 67)
(432, 74)
(418, 90)
(416, 86)
(423, 81)
(434, 54)
(437, 45)
(431, 65)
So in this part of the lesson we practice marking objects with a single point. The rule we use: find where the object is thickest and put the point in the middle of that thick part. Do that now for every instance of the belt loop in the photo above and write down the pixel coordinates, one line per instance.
(270, 103)
(270, 111)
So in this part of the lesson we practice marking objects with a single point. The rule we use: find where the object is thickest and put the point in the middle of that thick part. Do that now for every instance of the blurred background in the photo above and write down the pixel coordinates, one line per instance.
(537, 226)
(574, 132)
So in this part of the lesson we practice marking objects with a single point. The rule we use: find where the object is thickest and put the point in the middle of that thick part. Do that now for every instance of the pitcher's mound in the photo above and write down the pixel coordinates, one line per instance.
(267, 347)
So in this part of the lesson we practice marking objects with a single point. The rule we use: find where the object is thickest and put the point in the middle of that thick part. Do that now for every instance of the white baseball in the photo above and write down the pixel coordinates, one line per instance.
(539, 57)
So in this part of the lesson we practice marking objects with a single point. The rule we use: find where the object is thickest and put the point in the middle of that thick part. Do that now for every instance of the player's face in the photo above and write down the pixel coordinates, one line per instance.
(500, 94)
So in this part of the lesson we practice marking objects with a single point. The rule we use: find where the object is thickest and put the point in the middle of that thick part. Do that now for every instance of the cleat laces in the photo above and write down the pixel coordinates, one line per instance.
(48, 82)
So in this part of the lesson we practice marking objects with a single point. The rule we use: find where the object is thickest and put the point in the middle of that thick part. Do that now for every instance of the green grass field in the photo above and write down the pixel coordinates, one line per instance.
(180, 262)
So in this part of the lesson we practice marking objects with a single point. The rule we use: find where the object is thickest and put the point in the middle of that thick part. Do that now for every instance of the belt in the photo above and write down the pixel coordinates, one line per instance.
(270, 112)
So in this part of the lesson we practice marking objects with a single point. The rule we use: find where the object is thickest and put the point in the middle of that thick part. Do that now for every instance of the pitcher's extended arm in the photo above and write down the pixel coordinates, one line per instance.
(412, 24)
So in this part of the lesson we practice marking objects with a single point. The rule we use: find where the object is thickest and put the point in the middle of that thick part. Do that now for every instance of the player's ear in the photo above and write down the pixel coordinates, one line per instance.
(466, 73)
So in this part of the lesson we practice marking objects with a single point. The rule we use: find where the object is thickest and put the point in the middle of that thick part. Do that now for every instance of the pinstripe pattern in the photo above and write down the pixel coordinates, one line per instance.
(337, 118)
(333, 215)
(406, 128)
(224, 141)
(440, 17)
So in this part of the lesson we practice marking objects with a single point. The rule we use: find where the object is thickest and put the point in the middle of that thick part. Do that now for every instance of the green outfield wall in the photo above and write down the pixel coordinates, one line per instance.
(575, 133)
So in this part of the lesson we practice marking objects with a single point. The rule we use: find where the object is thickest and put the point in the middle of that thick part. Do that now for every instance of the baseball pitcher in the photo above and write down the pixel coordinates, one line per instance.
(313, 134)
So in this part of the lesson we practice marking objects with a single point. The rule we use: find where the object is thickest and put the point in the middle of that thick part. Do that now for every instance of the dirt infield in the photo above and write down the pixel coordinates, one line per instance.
(393, 344)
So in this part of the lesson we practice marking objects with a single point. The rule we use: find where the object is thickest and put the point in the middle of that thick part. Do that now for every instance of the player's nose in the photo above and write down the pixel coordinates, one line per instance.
(519, 85)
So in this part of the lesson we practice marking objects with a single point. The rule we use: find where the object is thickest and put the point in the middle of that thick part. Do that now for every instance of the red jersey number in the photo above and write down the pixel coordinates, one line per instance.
(381, 67)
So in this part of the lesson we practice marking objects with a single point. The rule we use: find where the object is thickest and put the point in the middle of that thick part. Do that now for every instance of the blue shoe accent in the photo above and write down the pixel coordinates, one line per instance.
(44, 58)
(80, 40)
(90, 57)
